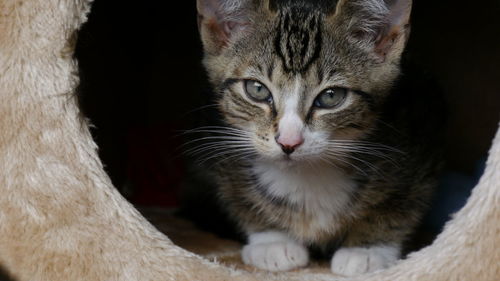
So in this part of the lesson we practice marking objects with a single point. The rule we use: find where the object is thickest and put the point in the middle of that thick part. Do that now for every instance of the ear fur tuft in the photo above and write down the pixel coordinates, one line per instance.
(220, 20)
(381, 23)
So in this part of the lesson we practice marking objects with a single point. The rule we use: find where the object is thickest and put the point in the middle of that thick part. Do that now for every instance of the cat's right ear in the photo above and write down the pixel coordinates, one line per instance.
(220, 21)
(382, 25)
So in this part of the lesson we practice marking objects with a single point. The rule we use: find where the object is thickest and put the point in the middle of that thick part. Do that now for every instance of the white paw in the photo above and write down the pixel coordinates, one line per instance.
(275, 256)
(356, 260)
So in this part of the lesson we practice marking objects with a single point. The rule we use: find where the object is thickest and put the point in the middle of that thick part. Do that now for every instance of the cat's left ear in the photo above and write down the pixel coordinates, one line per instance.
(384, 24)
(397, 25)
(220, 21)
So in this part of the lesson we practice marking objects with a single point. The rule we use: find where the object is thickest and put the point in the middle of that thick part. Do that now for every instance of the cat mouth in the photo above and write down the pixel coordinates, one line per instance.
(290, 160)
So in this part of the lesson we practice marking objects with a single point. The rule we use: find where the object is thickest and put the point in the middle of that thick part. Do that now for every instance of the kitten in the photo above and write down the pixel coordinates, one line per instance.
(316, 149)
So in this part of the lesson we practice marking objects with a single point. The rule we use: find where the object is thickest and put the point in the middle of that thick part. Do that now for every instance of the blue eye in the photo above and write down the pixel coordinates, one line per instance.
(257, 91)
(330, 98)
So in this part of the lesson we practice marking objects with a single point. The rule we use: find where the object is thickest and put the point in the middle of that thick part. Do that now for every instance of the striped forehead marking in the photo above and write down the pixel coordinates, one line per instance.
(298, 38)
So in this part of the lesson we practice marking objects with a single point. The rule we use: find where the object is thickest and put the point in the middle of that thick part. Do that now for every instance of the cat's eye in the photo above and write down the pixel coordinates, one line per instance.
(257, 91)
(330, 98)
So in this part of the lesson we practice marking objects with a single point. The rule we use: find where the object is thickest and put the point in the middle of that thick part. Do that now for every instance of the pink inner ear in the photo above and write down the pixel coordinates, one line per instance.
(221, 21)
(210, 16)
(398, 19)
(229, 26)
(384, 44)
(223, 31)
(233, 27)
(217, 32)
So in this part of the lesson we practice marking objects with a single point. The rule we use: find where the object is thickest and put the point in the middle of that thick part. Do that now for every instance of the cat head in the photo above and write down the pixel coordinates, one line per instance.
(295, 77)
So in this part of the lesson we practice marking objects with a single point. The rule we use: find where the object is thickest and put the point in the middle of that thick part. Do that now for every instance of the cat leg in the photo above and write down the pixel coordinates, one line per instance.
(350, 261)
(274, 251)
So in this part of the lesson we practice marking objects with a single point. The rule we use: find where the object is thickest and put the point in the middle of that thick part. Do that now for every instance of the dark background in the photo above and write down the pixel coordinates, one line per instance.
(142, 83)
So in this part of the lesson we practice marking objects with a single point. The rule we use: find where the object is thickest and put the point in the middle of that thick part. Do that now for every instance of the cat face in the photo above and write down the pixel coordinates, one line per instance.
(301, 82)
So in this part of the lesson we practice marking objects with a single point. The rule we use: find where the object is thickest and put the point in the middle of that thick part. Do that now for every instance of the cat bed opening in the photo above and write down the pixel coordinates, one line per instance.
(142, 141)
(34, 73)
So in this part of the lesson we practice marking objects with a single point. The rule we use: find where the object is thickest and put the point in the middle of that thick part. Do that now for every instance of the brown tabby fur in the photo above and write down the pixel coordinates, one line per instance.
(319, 42)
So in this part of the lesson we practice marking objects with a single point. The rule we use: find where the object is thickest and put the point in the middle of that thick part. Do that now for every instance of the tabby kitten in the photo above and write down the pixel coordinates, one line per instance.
(312, 153)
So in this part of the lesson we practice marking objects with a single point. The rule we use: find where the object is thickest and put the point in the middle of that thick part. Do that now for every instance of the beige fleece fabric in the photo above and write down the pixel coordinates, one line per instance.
(61, 219)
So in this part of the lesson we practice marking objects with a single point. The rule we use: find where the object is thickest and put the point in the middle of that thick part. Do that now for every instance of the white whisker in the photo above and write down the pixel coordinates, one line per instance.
(211, 147)
(340, 157)
(220, 144)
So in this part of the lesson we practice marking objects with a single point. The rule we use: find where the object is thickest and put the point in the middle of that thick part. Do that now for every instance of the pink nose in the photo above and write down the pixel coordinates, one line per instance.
(289, 143)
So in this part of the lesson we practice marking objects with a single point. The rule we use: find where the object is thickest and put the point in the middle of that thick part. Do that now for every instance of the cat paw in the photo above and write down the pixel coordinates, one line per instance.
(357, 260)
(276, 256)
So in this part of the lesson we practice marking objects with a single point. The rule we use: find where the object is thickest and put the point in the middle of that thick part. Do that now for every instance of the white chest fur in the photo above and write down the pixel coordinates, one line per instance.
(322, 192)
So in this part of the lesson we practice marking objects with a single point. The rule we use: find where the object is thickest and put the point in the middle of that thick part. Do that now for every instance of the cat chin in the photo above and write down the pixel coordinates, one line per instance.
(287, 163)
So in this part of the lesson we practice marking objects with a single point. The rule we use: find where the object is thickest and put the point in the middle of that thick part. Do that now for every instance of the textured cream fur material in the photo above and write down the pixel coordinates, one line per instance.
(61, 218)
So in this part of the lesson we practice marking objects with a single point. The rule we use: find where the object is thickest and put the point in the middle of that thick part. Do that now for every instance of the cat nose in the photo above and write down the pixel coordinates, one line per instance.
(289, 144)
